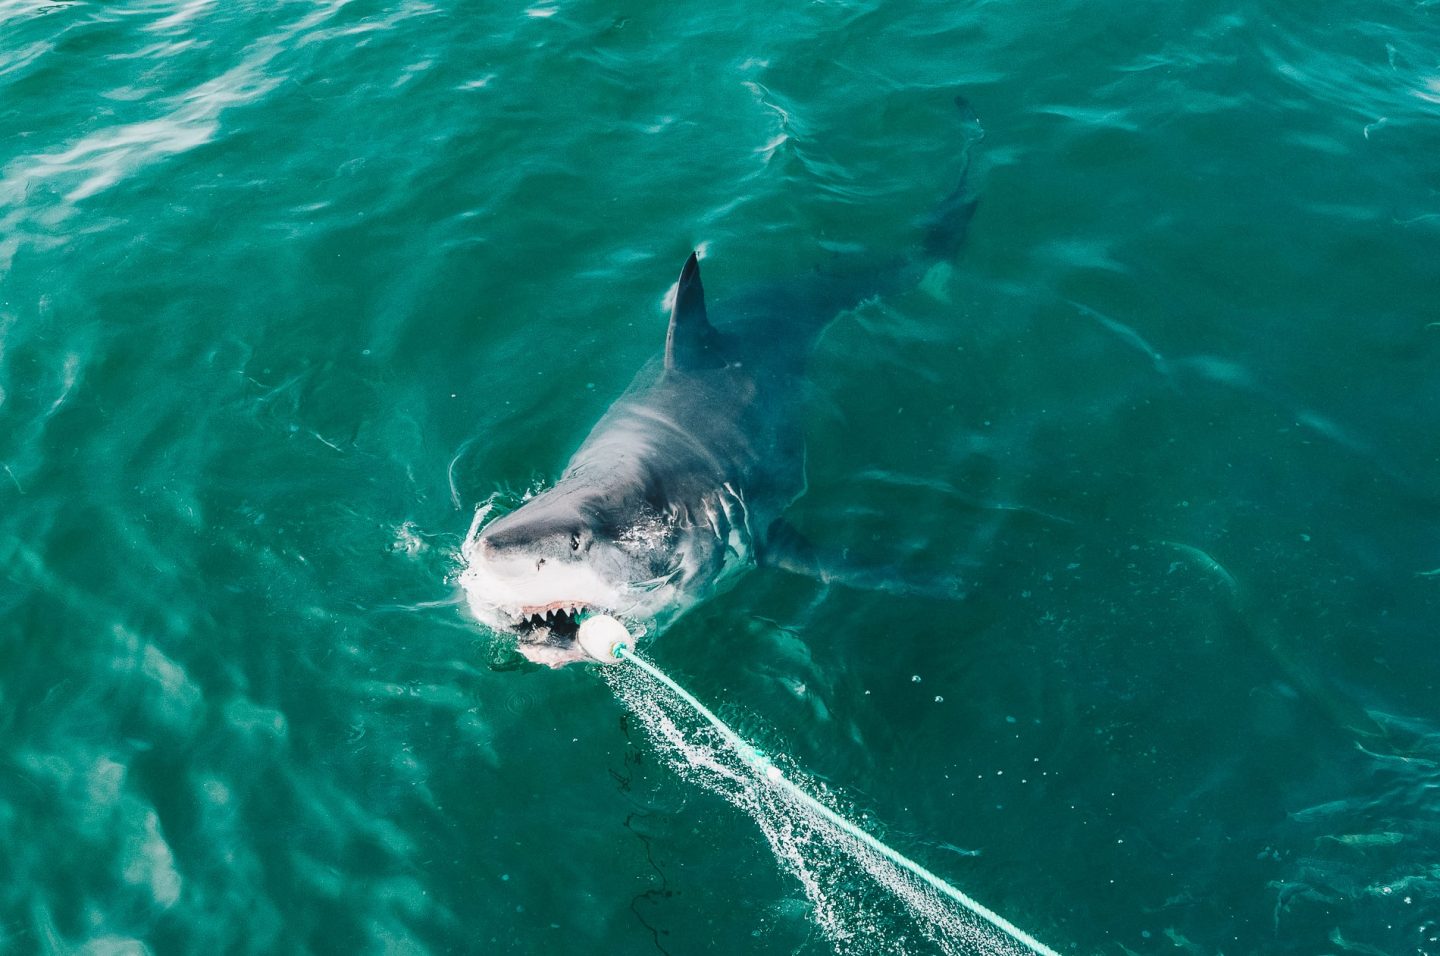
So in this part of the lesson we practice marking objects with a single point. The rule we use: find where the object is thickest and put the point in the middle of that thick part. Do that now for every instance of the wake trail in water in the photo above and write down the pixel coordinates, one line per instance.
(863, 900)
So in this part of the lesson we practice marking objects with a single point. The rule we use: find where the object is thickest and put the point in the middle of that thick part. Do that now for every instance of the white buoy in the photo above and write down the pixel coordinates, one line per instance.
(603, 638)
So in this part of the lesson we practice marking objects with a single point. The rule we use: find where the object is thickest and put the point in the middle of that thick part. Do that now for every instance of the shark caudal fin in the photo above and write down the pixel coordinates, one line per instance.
(691, 341)
(849, 278)
(947, 224)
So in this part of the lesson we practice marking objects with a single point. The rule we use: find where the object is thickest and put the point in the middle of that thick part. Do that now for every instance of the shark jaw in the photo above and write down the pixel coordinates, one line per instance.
(548, 635)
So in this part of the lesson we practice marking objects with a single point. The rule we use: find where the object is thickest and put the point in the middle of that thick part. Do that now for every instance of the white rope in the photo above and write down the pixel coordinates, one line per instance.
(772, 774)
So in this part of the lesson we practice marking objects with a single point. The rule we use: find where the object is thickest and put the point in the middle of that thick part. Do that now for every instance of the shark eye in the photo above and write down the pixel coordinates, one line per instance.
(575, 541)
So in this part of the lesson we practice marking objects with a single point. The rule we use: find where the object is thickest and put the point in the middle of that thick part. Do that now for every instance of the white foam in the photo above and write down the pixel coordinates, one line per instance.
(827, 861)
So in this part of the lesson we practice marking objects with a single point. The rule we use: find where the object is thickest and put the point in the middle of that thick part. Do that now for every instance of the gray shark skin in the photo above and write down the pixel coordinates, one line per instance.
(683, 482)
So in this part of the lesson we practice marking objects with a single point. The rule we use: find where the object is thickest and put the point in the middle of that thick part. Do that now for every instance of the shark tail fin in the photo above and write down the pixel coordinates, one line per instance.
(947, 224)
(942, 230)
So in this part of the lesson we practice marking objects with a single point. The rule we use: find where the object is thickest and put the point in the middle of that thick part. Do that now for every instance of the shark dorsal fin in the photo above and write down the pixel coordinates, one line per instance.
(692, 342)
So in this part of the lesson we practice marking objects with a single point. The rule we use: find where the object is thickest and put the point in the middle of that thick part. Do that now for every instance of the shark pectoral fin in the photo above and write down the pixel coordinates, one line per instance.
(787, 549)
(691, 341)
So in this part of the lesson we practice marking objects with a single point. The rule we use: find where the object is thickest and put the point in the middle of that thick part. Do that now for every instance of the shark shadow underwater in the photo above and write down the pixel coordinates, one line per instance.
(683, 483)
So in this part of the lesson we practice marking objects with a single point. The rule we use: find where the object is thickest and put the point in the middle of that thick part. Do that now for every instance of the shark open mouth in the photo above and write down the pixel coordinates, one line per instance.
(548, 634)
(557, 623)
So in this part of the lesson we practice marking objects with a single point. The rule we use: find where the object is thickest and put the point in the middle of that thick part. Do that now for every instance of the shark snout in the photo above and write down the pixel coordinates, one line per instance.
(548, 538)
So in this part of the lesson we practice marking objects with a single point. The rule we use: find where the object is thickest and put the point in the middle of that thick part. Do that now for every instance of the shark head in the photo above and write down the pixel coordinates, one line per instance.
(568, 552)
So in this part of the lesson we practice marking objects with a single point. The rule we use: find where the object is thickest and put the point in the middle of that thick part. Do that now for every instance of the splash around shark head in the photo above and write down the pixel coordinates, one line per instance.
(568, 553)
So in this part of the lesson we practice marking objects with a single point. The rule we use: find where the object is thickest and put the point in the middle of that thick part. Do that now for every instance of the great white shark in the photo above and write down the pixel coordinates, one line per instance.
(683, 483)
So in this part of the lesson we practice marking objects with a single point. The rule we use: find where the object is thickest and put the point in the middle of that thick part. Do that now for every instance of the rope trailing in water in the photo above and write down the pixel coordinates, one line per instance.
(772, 774)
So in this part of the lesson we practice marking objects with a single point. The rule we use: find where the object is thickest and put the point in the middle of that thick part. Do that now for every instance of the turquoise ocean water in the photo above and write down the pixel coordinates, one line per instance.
(287, 290)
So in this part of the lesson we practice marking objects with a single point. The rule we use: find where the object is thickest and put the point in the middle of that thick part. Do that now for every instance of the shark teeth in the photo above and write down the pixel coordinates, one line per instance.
(559, 618)
(555, 624)
(547, 610)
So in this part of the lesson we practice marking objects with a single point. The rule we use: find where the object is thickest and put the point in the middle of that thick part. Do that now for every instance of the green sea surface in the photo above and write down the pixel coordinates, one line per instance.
(287, 290)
